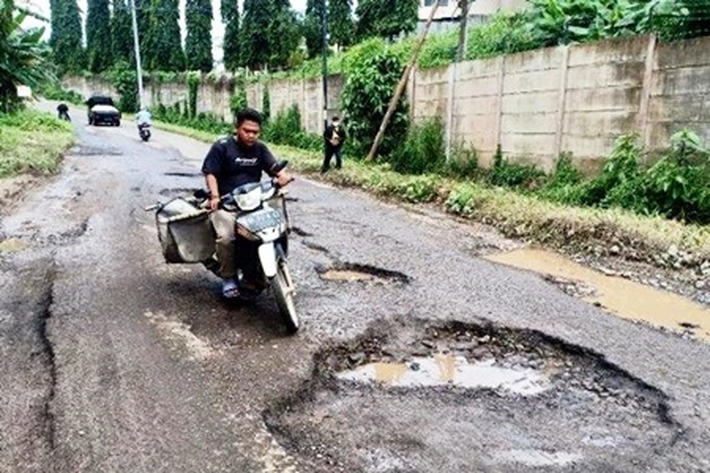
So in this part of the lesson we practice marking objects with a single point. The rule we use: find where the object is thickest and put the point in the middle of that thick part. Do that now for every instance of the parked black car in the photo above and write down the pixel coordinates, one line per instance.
(101, 109)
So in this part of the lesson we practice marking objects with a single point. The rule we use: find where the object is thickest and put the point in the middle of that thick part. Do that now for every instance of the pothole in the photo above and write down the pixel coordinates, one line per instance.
(461, 397)
(350, 272)
(83, 150)
(183, 174)
(300, 232)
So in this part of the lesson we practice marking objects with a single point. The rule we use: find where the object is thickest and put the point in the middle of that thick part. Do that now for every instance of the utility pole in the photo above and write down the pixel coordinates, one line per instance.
(137, 46)
(463, 6)
(401, 85)
(324, 32)
(463, 31)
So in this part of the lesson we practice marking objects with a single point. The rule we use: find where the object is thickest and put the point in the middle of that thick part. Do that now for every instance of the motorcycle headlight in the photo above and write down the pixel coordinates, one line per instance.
(248, 200)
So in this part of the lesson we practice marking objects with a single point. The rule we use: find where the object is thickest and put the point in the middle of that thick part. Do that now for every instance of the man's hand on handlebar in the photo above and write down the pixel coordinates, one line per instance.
(283, 178)
(213, 203)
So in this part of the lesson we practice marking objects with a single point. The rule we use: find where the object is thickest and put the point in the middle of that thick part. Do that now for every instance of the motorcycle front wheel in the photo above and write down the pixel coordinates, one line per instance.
(283, 289)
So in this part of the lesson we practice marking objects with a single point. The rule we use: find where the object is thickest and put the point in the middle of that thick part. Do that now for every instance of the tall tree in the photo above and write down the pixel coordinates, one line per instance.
(121, 33)
(313, 27)
(386, 18)
(340, 22)
(66, 37)
(162, 46)
(198, 42)
(23, 55)
(229, 10)
(270, 33)
(98, 35)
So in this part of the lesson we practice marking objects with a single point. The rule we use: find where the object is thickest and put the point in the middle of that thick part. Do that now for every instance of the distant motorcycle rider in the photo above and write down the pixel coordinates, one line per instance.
(232, 162)
(143, 118)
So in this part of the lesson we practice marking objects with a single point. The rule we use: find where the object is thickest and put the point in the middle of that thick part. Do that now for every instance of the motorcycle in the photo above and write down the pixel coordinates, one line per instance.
(261, 238)
(144, 131)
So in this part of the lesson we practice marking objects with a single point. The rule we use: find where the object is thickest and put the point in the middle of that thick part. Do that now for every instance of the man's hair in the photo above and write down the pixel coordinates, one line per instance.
(336, 119)
(248, 114)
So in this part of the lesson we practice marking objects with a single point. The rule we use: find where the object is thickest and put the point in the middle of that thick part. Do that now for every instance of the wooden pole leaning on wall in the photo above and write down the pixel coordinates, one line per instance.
(402, 84)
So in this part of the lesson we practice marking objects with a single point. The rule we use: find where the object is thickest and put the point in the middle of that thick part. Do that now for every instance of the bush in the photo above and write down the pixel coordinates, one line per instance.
(54, 91)
(286, 129)
(423, 150)
(565, 184)
(507, 174)
(239, 100)
(620, 183)
(463, 162)
(677, 185)
(123, 77)
(178, 115)
(372, 71)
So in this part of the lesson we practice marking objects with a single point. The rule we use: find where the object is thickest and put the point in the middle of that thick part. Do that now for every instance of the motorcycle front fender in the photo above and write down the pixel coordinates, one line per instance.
(267, 257)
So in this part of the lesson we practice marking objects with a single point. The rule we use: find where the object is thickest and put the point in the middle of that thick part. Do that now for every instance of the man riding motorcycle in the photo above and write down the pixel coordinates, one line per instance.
(231, 162)
(143, 119)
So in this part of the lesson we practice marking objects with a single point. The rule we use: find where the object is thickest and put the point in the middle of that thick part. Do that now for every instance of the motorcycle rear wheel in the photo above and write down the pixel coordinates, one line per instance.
(283, 291)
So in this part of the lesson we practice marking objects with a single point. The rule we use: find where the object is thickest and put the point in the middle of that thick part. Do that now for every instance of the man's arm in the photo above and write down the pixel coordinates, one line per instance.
(211, 182)
(269, 162)
(210, 168)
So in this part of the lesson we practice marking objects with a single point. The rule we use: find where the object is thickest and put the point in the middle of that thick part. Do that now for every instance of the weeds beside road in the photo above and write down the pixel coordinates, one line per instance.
(32, 142)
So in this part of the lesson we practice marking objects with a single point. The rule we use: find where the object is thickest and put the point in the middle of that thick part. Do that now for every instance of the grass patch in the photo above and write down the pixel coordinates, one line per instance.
(32, 141)
(515, 214)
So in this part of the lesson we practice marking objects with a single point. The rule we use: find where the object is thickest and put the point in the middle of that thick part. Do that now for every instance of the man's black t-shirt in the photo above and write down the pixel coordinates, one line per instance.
(234, 164)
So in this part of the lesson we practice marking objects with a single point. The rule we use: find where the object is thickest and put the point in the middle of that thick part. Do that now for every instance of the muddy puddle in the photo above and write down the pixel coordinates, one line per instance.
(343, 275)
(349, 272)
(12, 245)
(626, 299)
(444, 370)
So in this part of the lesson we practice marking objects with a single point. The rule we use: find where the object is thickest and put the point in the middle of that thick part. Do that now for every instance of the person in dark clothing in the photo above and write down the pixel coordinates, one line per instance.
(232, 162)
(334, 138)
(63, 112)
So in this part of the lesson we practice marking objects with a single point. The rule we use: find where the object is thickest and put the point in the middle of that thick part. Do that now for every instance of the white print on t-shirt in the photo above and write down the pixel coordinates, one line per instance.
(246, 161)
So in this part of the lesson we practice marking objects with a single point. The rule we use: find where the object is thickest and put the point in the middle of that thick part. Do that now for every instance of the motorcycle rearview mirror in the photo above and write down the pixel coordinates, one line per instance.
(201, 194)
(280, 166)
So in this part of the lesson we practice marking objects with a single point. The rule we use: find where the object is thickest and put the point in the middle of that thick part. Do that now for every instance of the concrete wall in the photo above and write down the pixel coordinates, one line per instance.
(679, 95)
(215, 97)
(574, 99)
(535, 104)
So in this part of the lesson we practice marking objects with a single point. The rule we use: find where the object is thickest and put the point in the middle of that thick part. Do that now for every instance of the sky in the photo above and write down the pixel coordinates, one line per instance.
(42, 7)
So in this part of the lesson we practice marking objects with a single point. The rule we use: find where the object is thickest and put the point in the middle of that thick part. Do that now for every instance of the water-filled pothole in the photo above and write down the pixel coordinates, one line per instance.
(627, 299)
(460, 397)
(350, 272)
(450, 370)
(10, 245)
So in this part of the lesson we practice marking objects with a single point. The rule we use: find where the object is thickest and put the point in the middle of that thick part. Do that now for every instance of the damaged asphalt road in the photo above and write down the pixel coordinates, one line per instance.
(414, 356)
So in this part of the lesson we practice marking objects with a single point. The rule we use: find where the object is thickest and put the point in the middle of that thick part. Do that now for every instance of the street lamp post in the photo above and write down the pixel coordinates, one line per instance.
(137, 46)
(324, 32)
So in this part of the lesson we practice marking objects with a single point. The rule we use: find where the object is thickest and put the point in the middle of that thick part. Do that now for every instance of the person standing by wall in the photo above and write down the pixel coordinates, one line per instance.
(334, 138)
